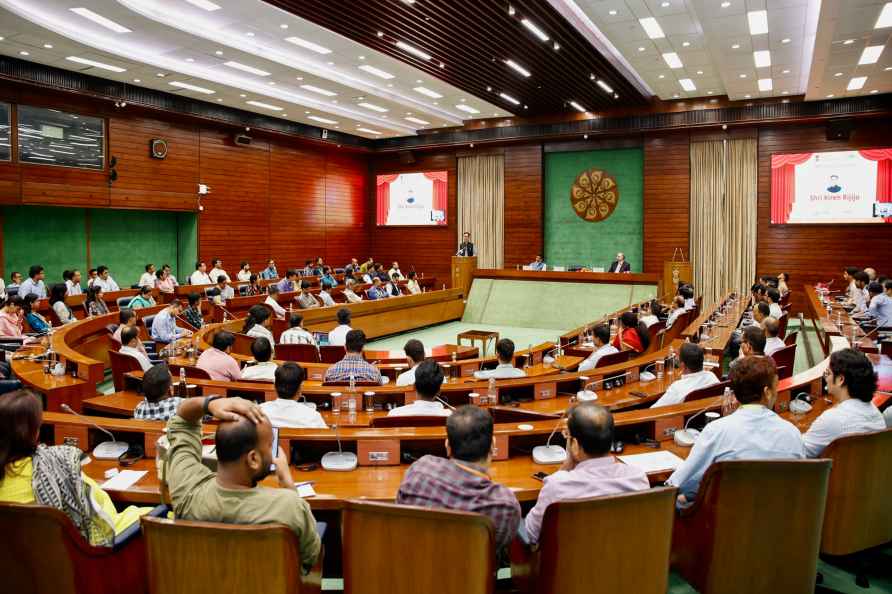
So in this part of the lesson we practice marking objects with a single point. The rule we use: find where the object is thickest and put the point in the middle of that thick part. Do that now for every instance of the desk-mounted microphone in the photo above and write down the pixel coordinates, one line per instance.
(686, 437)
(339, 461)
(107, 450)
(449, 406)
(589, 395)
(550, 454)
(226, 312)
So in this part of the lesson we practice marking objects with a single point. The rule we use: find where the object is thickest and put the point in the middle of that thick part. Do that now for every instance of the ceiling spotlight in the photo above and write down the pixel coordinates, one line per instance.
(785, 40)
(556, 46)
(380, 33)
(612, 13)
(848, 42)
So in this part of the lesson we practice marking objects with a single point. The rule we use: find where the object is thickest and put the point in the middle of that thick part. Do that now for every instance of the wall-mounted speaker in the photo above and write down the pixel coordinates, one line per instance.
(407, 157)
(157, 148)
(112, 172)
(840, 129)
(242, 139)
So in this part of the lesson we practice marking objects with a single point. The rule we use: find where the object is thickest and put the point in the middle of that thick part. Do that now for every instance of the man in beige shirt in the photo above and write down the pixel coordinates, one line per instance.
(244, 455)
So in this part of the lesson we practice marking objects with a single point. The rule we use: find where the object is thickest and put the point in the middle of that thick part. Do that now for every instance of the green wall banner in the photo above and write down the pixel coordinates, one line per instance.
(594, 207)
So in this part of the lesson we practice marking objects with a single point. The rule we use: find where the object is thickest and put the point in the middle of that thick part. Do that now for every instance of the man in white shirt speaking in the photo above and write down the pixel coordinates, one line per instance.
(603, 347)
(285, 410)
(851, 382)
(693, 377)
(428, 380)
(414, 350)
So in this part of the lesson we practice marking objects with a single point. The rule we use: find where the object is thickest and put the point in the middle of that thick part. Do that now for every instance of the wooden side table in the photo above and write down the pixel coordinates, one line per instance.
(484, 336)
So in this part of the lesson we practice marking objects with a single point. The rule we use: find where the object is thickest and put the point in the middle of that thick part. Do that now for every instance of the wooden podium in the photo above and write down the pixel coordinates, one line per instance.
(463, 268)
(673, 272)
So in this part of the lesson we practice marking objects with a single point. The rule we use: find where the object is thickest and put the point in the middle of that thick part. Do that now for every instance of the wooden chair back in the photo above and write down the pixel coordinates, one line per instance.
(782, 326)
(42, 551)
(858, 514)
(301, 353)
(636, 564)
(784, 358)
(186, 557)
(331, 353)
(654, 331)
(755, 527)
(447, 552)
(707, 392)
(409, 421)
(242, 344)
(120, 365)
(191, 372)
(886, 348)
(790, 339)
(614, 358)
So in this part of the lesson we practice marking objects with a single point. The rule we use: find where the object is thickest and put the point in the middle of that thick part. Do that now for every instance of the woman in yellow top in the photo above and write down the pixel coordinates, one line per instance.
(34, 473)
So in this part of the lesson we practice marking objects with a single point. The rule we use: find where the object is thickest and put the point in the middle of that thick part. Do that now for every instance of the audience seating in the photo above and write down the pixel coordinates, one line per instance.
(569, 560)
(754, 527)
(124, 301)
(120, 365)
(186, 557)
(614, 359)
(707, 392)
(331, 353)
(785, 358)
(42, 552)
(302, 353)
(782, 325)
(442, 551)
(790, 339)
(191, 371)
(242, 344)
(409, 421)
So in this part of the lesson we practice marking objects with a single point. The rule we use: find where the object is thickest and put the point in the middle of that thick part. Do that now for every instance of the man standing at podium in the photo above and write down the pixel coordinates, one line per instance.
(620, 264)
(466, 248)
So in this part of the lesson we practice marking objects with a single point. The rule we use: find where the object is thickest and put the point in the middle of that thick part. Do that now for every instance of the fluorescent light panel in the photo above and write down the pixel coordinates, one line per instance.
(313, 47)
(189, 87)
(517, 67)
(870, 55)
(687, 84)
(246, 68)
(204, 4)
(376, 71)
(534, 29)
(758, 22)
(856, 83)
(672, 60)
(509, 98)
(418, 121)
(100, 20)
(374, 107)
(321, 120)
(466, 108)
(605, 86)
(314, 89)
(95, 64)
(765, 84)
(369, 131)
(578, 107)
(427, 92)
(264, 105)
(885, 19)
(413, 50)
(762, 58)
(652, 28)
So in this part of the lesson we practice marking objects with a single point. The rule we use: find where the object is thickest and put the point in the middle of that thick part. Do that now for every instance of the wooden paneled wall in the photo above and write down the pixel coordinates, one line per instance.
(524, 216)
(666, 198)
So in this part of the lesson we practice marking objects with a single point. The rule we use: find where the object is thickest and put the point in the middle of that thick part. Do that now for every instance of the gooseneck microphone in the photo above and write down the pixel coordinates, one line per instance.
(107, 450)
(339, 461)
(551, 454)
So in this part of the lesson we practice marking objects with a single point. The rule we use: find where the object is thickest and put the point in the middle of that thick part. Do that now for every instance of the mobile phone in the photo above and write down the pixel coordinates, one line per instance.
(540, 476)
(275, 448)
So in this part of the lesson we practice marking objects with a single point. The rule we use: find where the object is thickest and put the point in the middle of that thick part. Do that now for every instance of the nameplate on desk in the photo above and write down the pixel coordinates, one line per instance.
(378, 452)
(666, 427)
(410, 397)
(545, 391)
(316, 374)
(73, 435)
(500, 447)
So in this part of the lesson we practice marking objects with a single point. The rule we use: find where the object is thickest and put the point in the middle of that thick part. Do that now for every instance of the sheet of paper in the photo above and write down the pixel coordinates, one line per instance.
(306, 490)
(123, 480)
(653, 462)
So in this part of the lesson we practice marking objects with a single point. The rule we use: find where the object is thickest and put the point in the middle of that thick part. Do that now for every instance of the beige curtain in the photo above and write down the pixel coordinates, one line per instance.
(723, 216)
(481, 206)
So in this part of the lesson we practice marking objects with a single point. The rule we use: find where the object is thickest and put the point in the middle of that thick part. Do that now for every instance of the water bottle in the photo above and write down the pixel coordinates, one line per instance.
(492, 394)
(659, 368)
(352, 383)
(671, 359)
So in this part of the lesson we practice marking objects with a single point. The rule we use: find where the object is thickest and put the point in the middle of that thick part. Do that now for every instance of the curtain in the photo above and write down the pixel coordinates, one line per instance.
(723, 216)
(481, 206)
(440, 180)
(884, 173)
(383, 194)
(783, 184)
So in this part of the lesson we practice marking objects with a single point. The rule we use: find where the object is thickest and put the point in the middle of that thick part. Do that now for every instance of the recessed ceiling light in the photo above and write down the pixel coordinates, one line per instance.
(641, 49)
(885, 19)
(676, 95)
(785, 40)
(509, 98)
(874, 92)
(48, 45)
(672, 60)
(687, 84)
(220, 100)
(334, 101)
(380, 33)
(489, 88)
(418, 121)
(871, 54)
(283, 26)
(322, 120)
(242, 95)
(762, 58)
(284, 115)
(534, 29)
(742, 76)
(264, 105)
(375, 71)
(204, 4)
(190, 60)
(368, 131)
(250, 34)
(838, 74)
(856, 84)
(100, 20)
(315, 89)
(96, 64)
(830, 96)
(887, 68)
(662, 76)
(374, 107)
(747, 96)
(466, 108)
(271, 83)
(136, 80)
(313, 47)
(408, 1)
(611, 12)
(726, 4)
(413, 50)
(246, 68)
(517, 67)
(848, 42)
(735, 46)
(709, 92)
(298, 78)
(578, 107)
(24, 53)
(187, 86)
(758, 20)
(786, 71)
(556, 46)
(219, 53)
(785, 92)
(765, 84)
(427, 92)
(685, 44)
(664, 4)
(160, 75)
(605, 86)
(652, 28)
(699, 72)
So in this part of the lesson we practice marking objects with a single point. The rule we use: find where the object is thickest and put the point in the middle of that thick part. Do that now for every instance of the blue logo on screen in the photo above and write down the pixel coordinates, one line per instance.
(834, 186)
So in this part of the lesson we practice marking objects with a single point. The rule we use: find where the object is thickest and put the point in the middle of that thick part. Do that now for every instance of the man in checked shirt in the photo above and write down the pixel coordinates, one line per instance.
(462, 481)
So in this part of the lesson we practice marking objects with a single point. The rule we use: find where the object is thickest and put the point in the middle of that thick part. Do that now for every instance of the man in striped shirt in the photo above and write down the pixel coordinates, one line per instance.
(353, 364)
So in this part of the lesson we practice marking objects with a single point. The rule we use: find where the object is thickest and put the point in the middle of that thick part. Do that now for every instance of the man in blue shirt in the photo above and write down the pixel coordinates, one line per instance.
(881, 305)
(164, 326)
(34, 283)
(537, 264)
(270, 271)
(287, 284)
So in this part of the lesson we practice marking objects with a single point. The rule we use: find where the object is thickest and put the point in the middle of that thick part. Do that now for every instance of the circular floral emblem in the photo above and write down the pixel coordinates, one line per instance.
(594, 195)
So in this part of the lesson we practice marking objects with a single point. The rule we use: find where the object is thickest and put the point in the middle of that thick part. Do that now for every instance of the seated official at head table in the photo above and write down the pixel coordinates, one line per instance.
(244, 457)
(157, 403)
(414, 350)
(263, 368)
(428, 381)
(462, 480)
(752, 432)
(693, 376)
(620, 264)
(589, 470)
(287, 410)
(33, 473)
(537, 264)
(601, 338)
(353, 365)
(851, 382)
(505, 369)
(11, 317)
